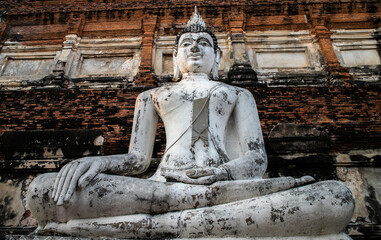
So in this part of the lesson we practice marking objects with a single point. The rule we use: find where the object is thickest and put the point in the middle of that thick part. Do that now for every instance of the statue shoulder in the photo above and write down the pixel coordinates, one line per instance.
(145, 96)
(240, 92)
(244, 93)
(152, 92)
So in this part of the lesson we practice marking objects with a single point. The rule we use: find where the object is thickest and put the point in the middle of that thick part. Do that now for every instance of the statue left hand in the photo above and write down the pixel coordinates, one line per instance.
(78, 172)
(199, 176)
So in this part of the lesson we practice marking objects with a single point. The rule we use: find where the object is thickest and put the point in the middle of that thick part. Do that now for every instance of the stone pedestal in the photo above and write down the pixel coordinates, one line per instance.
(324, 237)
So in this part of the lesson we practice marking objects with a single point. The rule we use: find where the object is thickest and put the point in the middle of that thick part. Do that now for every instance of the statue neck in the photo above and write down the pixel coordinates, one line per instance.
(189, 77)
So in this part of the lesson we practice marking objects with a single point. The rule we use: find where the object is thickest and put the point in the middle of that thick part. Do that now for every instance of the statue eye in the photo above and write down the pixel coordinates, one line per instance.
(186, 44)
(204, 44)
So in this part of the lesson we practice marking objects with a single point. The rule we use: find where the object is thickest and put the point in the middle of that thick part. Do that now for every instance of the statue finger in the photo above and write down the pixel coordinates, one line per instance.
(68, 178)
(173, 177)
(206, 180)
(197, 173)
(61, 180)
(74, 180)
(170, 176)
(91, 172)
(57, 180)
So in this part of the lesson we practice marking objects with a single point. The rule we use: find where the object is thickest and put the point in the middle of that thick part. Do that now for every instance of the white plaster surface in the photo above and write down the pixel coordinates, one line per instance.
(28, 67)
(102, 57)
(353, 58)
(19, 62)
(167, 64)
(356, 48)
(277, 51)
(282, 59)
(107, 66)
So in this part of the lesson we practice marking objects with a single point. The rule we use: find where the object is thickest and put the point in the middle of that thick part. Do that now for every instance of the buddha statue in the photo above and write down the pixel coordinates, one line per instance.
(209, 182)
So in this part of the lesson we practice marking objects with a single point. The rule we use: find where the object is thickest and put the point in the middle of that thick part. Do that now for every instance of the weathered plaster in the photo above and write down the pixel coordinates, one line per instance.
(11, 206)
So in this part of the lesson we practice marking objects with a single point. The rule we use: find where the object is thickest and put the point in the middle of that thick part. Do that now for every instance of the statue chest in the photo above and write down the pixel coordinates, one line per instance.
(219, 100)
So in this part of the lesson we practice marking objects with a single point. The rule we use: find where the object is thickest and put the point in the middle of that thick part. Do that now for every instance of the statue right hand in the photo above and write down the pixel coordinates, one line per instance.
(201, 176)
(79, 172)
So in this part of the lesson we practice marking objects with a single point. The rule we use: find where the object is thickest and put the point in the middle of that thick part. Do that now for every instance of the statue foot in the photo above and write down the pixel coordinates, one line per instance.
(305, 180)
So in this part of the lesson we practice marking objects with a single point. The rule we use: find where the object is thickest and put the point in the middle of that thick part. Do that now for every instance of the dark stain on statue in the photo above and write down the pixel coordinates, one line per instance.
(224, 96)
(277, 214)
(249, 221)
(192, 151)
(345, 199)
(220, 110)
(260, 162)
(101, 191)
(93, 182)
(237, 91)
(223, 221)
(261, 189)
(188, 97)
(45, 197)
(253, 146)
(310, 199)
(293, 210)
(145, 100)
(137, 122)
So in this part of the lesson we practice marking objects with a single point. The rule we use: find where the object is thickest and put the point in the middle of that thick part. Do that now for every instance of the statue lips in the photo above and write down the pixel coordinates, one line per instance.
(195, 56)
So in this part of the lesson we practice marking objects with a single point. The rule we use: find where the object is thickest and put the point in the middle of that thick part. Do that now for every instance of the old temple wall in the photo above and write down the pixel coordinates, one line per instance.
(70, 72)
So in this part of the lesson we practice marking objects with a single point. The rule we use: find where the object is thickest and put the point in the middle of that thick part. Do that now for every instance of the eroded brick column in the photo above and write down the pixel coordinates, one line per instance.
(73, 32)
(75, 25)
(3, 27)
(145, 76)
(241, 69)
(336, 71)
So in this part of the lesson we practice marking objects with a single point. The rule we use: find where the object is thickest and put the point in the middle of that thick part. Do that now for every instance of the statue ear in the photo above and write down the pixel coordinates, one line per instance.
(176, 70)
(216, 65)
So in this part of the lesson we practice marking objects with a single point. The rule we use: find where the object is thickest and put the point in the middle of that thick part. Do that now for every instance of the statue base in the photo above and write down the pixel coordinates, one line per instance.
(341, 236)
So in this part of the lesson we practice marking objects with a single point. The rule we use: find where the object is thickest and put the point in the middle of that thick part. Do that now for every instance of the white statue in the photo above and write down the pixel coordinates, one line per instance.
(209, 182)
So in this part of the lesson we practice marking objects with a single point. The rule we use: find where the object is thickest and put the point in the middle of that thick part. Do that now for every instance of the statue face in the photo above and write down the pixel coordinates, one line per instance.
(195, 53)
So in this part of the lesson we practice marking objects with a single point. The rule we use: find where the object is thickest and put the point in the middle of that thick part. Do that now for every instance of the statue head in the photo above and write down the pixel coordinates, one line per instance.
(196, 49)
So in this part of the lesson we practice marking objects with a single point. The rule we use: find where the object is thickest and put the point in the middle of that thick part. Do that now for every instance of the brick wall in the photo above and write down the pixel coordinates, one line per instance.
(342, 111)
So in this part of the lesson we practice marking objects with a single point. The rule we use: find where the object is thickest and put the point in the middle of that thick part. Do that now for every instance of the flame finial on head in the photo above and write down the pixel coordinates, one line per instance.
(196, 24)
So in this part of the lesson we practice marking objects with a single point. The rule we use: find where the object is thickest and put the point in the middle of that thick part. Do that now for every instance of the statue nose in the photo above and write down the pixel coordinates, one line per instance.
(195, 48)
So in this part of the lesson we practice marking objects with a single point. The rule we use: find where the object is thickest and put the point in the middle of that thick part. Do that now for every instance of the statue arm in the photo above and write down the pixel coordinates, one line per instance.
(142, 139)
(253, 162)
(80, 172)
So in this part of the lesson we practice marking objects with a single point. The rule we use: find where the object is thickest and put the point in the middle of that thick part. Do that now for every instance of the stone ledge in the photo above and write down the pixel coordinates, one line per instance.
(341, 236)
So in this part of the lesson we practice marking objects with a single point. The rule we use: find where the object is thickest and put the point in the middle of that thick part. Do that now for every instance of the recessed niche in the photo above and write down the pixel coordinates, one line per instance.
(282, 59)
(22, 67)
(95, 66)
